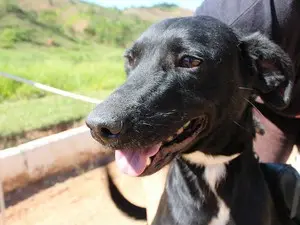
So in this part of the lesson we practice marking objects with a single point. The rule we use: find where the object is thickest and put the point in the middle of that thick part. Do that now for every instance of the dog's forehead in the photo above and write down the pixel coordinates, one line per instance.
(191, 32)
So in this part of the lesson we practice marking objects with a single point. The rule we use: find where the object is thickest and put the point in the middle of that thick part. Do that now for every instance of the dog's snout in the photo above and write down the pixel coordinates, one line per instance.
(105, 128)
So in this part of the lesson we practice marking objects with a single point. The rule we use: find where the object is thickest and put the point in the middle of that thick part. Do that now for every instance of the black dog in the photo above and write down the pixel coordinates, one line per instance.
(187, 103)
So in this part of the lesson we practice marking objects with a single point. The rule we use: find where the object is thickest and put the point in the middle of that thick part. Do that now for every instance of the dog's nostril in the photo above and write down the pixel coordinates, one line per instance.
(105, 132)
(110, 130)
(105, 127)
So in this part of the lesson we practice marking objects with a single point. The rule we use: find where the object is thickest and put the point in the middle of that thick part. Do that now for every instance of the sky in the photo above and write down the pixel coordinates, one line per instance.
(121, 4)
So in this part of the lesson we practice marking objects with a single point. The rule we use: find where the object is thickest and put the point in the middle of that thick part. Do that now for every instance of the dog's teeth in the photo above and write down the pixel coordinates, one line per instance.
(180, 131)
(170, 138)
(148, 162)
(186, 125)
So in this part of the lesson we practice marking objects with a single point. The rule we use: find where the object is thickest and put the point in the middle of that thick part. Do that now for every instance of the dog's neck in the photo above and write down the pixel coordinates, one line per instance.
(223, 152)
(215, 194)
(202, 159)
(198, 158)
(231, 137)
(206, 185)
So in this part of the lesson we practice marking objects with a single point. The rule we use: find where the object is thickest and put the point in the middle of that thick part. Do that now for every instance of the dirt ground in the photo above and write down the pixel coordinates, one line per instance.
(79, 197)
(73, 200)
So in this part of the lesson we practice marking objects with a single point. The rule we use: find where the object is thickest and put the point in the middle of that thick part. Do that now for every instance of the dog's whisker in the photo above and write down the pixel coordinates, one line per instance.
(156, 124)
(146, 124)
(136, 130)
(233, 99)
(253, 106)
(239, 125)
(246, 88)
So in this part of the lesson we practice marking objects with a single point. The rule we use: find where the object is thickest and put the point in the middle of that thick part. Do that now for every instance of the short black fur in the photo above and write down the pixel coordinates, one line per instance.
(160, 95)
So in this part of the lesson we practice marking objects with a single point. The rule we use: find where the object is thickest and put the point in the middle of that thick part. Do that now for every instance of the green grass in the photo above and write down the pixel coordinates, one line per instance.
(88, 68)
(44, 45)
(59, 24)
(25, 115)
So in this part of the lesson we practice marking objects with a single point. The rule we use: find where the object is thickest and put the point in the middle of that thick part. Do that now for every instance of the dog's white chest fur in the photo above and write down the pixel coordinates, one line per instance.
(213, 174)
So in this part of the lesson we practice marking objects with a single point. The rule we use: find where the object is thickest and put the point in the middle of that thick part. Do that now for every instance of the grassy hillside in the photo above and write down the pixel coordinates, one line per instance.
(65, 24)
(91, 68)
(37, 34)
(66, 44)
(70, 22)
(158, 12)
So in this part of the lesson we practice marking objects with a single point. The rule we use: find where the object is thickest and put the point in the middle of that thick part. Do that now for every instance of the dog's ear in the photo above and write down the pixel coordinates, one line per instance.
(273, 69)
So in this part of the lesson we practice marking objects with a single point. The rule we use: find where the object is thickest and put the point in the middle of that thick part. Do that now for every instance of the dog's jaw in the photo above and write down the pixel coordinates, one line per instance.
(148, 160)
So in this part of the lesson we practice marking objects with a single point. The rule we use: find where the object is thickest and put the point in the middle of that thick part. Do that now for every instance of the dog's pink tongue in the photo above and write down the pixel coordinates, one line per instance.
(134, 162)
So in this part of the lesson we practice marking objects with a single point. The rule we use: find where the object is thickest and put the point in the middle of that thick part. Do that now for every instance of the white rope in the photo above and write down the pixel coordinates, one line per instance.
(51, 89)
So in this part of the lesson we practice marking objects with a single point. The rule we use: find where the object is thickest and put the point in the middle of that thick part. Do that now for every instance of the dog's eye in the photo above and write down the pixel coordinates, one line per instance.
(189, 62)
(130, 60)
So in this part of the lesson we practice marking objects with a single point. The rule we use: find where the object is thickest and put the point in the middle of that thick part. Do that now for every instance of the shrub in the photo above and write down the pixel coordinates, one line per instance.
(13, 8)
(48, 16)
(165, 6)
(11, 35)
(114, 31)
(90, 30)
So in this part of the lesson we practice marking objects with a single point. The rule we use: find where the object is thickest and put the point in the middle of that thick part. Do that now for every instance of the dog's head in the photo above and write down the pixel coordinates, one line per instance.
(188, 78)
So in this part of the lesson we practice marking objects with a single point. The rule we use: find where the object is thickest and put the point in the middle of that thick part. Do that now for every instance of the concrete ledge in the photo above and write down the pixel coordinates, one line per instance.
(42, 157)
(45, 156)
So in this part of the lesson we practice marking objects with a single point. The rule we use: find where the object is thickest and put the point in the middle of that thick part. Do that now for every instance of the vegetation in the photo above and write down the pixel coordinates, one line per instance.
(54, 26)
(92, 71)
(89, 68)
(30, 114)
(38, 44)
(113, 31)
(66, 44)
(165, 6)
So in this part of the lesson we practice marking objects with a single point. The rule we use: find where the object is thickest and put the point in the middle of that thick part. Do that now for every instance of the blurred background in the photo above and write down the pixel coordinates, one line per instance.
(72, 45)
(76, 46)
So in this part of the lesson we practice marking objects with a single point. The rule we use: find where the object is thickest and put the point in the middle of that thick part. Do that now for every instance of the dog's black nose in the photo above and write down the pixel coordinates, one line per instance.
(105, 128)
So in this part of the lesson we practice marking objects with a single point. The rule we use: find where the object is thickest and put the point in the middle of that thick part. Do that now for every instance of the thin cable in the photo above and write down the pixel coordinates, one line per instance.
(51, 89)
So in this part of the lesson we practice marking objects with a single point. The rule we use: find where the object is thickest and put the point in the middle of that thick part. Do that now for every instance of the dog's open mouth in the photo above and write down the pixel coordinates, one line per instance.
(149, 160)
